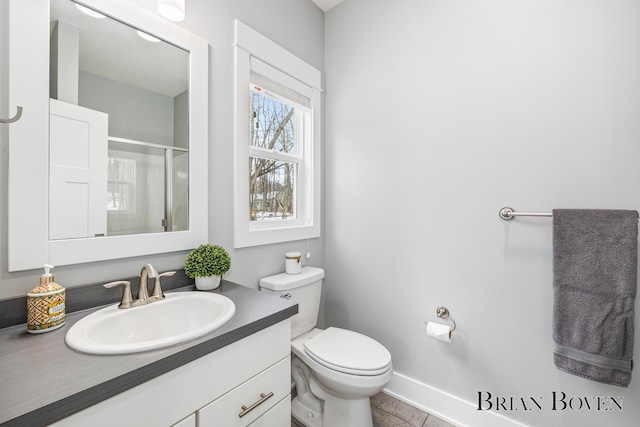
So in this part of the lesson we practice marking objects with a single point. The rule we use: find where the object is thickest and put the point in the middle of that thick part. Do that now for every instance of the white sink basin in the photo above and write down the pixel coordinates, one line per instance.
(178, 318)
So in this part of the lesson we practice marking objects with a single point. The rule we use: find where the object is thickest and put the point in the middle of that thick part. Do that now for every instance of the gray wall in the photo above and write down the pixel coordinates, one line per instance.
(296, 25)
(134, 113)
(181, 120)
(439, 113)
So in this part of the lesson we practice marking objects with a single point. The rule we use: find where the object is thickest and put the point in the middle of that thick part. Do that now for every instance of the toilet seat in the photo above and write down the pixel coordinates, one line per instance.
(348, 352)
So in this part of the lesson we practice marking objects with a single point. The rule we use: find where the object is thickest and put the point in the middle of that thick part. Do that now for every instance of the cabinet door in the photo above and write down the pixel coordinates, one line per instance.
(245, 403)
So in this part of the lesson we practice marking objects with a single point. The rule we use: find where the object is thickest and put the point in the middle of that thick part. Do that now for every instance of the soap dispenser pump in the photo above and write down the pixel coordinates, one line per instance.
(45, 305)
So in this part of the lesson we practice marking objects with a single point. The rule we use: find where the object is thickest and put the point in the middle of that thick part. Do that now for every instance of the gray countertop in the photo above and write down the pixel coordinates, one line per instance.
(42, 380)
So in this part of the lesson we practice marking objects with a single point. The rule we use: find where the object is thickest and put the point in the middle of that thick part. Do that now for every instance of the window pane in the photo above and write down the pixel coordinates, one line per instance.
(121, 175)
(272, 123)
(120, 196)
(272, 189)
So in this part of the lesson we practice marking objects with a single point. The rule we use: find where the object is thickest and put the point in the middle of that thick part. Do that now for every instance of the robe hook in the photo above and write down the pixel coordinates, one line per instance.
(14, 118)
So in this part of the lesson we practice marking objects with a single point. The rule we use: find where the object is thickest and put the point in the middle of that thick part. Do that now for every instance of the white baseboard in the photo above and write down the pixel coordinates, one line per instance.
(444, 405)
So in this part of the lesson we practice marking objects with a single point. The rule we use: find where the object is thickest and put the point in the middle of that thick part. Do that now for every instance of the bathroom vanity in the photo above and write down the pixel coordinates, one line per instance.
(235, 376)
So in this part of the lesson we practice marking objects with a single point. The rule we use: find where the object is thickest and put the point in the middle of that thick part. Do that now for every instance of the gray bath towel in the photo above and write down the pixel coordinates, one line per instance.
(594, 285)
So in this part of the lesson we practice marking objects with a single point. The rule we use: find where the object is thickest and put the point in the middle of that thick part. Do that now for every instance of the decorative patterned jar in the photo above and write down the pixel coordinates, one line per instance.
(45, 305)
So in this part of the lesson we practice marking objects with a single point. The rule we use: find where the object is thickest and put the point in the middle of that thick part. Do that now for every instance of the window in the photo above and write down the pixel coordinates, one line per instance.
(277, 143)
(279, 124)
(121, 184)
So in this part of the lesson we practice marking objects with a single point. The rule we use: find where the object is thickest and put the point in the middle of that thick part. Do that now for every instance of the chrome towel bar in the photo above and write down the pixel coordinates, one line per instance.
(508, 213)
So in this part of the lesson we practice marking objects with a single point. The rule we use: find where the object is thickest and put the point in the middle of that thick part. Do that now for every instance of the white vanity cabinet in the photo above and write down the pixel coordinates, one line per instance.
(247, 402)
(210, 391)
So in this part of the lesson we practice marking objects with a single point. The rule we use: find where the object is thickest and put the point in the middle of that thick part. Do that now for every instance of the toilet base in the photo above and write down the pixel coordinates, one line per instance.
(342, 412)
(306, 416)
(337, 412)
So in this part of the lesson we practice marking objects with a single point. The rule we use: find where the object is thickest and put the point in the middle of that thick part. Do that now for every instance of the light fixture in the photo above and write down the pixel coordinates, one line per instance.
(89, 12)
(173, 10)
(148, 37)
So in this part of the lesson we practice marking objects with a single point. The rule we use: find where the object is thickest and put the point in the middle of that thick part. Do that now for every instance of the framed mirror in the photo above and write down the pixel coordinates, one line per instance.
(116, 137)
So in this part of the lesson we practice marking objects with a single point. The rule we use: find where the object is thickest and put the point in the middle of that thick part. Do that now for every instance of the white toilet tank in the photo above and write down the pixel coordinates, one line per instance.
(305, 289)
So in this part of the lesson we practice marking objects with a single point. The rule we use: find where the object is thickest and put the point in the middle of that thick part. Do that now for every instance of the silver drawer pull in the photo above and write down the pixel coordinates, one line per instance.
(263, 398)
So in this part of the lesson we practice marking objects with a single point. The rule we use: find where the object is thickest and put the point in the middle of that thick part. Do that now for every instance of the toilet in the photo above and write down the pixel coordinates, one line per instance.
(335, 370)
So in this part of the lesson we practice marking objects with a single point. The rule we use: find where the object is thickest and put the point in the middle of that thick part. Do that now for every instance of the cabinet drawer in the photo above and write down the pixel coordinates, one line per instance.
(251, 399)
(279, 415)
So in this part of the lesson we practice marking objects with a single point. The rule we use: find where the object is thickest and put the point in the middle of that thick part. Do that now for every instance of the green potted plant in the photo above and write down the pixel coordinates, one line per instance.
(206, 264)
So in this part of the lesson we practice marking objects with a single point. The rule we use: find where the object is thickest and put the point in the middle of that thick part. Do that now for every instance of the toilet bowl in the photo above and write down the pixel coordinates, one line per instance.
(339, 378)
(335, 370)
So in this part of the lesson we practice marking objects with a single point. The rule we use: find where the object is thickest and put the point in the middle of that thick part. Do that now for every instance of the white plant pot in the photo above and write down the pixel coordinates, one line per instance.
(207, 283)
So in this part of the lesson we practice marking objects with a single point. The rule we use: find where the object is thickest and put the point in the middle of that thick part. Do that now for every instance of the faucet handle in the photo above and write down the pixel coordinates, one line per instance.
(157, 288)
(127, 298)
(167, 274)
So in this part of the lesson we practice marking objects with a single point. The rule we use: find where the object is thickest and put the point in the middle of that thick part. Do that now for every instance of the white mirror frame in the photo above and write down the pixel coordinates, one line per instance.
(29, 246)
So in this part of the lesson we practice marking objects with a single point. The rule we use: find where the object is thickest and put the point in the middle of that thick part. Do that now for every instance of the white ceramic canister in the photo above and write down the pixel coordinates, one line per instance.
(293, 263)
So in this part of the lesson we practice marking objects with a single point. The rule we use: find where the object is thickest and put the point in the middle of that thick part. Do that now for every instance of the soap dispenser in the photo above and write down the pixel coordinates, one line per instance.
(45, 305)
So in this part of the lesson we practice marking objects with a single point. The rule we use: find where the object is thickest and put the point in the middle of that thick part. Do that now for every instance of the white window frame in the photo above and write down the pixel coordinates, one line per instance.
(251, 44)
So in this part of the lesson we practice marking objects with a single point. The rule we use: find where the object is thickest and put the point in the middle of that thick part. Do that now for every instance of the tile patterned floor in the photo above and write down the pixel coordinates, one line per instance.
(390, 412)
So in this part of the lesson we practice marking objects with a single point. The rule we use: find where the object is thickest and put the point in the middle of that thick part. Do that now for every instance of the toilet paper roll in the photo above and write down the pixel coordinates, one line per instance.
(439, 331)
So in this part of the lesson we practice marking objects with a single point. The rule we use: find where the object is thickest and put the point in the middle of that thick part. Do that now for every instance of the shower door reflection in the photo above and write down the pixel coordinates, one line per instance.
(147, 187)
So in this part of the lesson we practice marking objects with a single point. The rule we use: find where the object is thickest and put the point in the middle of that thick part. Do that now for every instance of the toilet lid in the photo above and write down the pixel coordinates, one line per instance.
(348, 352)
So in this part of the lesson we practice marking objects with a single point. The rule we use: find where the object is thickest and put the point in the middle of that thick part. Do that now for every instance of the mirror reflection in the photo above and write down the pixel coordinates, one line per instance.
(119, 139)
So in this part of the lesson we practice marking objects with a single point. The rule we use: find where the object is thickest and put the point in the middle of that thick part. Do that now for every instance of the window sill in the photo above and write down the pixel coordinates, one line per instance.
(267, 236)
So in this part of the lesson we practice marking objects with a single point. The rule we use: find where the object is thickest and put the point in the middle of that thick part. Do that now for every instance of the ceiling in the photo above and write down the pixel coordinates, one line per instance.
(105, 47)
(114, 50)
(327, 4)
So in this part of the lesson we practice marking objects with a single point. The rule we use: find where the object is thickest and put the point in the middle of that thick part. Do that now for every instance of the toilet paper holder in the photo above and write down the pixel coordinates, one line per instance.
(443, 312)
